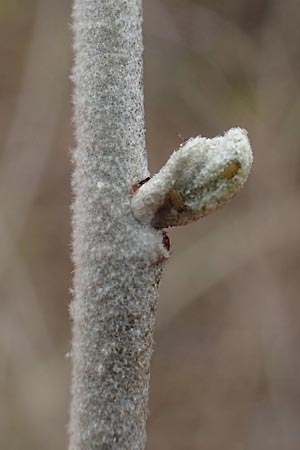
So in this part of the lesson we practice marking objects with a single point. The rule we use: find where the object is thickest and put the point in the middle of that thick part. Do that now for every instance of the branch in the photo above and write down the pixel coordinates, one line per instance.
(118, 259)
(196, 180)
(115, 257)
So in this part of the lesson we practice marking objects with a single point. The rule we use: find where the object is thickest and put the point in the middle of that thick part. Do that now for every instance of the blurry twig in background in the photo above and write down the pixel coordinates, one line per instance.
(279, 356)
(224, 250)
(24, 304)
(29, 349)
(30, 141)
(40, 104)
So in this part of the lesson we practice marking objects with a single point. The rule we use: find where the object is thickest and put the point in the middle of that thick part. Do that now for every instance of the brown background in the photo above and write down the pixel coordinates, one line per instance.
(225, 371)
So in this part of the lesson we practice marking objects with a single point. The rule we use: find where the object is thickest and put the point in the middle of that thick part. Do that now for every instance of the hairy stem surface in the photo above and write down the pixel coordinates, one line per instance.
(118, 248)
(115, 257)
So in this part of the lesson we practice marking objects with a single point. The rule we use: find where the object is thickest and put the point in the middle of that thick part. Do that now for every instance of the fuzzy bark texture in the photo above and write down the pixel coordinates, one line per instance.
(117, 260)
(118, 245)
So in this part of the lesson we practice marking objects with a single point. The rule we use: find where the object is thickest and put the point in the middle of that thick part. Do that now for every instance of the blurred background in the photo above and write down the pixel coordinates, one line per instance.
(226, 366)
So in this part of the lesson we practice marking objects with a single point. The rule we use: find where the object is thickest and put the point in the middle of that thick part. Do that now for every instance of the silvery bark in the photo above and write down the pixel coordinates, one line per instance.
(117, 260)
(118, 245)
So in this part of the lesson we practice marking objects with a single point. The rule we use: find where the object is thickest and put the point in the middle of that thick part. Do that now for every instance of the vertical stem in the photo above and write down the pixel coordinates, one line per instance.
(115, 281)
